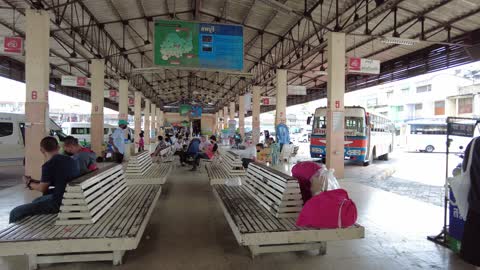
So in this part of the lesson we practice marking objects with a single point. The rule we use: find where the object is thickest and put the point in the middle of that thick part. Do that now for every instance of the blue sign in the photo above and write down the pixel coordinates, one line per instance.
(456, 222)
(196, 111)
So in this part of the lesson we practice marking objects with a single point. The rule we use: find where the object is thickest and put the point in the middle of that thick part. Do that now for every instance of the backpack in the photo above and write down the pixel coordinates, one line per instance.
(329, 209)
(303, 171)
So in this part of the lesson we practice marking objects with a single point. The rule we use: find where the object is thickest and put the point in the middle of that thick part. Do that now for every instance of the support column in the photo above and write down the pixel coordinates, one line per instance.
(138, 116)
(281, 113)
(162, 123)
(153, 123)
(215, 123)
(256, 114)
(123, 102)
(157, 112)
(241, 116)
(225, 117)
(37, 69)
(220, 112)
(232, 111)
(146, 122)
(97, 69)
(335, 103)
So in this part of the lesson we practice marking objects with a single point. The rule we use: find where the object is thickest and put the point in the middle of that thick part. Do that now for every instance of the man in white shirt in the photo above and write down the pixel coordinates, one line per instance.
(118, 141)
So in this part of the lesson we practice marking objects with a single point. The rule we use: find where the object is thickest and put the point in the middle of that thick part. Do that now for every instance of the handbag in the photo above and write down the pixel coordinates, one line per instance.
(460, 185)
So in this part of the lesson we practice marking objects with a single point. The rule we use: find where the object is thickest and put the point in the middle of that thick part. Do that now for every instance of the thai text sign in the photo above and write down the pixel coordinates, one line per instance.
(363, 65)
(198, 45)
(298, 90)
(11, 45)
(74, 81)
(268, 101)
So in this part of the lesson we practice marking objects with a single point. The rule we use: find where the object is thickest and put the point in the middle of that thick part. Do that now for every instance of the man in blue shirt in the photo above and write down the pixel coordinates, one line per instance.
(57, 171)
(118, 138)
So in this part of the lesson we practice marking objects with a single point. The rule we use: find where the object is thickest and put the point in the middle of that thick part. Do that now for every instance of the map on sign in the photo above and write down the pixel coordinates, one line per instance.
(198, 45)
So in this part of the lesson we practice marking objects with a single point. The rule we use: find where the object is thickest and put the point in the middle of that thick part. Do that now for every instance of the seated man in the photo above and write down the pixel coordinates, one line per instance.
(263, 154)
(208, 150)
(85, 157)
(192, 150)
(57, 171)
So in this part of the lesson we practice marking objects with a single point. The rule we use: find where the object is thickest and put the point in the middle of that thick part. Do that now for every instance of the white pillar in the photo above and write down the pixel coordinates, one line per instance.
(241, 116)
(153, 123)
(335, 100)
(138, 116)
(123, 102)
(281, 96)
(162, 123)
(232, 110)
(256, 114)
(220, 123)
(97, 69)
(146, 123)
(37, 68)
(157, 112)
(225, 117)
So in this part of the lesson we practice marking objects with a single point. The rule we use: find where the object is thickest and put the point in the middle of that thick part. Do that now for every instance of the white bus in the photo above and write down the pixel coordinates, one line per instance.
(431, 136)
(81, 131)
(12, 137)
(367, 136)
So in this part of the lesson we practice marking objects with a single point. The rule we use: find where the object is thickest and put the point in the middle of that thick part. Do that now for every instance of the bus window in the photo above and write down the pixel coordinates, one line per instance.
(80, 131)
(355, 123)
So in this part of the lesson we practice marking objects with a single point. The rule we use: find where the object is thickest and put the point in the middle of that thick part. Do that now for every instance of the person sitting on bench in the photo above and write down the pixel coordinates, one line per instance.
(207, 152)
(192, 150)
(57, 171)
(85, 157)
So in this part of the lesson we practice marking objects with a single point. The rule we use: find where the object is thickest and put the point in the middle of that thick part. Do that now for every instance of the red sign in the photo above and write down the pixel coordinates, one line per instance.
(131, 101)
(354, 63)
(337, 104)
(81, 81)
(12, 45)
(113, 93)
(34, 95)
(363, 65)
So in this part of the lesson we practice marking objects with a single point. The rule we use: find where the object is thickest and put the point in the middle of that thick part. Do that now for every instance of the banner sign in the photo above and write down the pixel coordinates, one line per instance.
(298, 90)
(11, 45)
(268, 101)
(198, 45)
(74, 81)
(363, 65)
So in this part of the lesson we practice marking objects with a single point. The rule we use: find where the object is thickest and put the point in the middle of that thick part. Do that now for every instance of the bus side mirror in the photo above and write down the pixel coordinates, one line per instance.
(309, 119)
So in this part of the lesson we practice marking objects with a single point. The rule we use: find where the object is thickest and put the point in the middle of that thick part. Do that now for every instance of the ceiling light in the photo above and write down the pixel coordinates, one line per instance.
(276, 6)
(398, 41)
(320, 72)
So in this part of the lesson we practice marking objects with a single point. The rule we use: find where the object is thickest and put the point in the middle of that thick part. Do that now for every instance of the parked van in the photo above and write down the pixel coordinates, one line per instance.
(81, 131)
(12, 136)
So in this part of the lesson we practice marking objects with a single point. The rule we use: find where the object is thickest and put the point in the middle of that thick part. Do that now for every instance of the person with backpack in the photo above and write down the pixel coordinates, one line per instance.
(208, 151)
(85, 157)
(57, 171)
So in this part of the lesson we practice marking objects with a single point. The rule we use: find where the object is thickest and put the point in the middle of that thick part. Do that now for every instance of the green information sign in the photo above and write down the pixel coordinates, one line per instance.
(198, 45)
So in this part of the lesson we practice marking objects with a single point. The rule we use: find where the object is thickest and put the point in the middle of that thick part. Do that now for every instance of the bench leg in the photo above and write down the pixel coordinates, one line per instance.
(32, 262)
(117, 257)
(323, 248)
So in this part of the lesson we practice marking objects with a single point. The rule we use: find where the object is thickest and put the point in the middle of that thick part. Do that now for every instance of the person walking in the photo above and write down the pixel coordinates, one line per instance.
(141, 142)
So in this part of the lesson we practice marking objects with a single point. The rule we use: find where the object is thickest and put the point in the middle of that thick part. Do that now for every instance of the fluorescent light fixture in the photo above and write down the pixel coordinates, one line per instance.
(320, 72)
(276, 6)
(398, 41)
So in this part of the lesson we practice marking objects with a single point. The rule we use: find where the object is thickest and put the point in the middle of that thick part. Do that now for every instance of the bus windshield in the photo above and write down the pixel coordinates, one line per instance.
(354, 126)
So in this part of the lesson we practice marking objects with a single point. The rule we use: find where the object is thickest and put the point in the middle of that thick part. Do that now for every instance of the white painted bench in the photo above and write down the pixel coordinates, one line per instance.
(255, 224)
(141, 170)
(225, 165)
(89, 197)
(119, 229)
(165, 155)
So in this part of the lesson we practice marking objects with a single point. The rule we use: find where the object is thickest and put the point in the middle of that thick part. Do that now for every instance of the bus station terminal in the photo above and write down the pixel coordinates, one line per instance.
(239, 134)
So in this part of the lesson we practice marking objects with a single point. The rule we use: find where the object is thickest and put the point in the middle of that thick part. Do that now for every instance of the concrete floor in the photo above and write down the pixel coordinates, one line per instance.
(188, 231)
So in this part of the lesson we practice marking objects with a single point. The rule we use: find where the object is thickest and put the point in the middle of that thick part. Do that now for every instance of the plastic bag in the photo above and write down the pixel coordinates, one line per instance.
(460, 185)
(233, 182)
(323, 180)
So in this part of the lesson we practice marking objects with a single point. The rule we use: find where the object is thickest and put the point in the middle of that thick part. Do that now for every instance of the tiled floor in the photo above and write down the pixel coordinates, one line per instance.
(188, 231)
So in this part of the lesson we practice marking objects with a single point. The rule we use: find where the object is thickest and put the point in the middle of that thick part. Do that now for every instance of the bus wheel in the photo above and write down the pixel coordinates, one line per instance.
(383, 157)
(366, 163)
(429, 148)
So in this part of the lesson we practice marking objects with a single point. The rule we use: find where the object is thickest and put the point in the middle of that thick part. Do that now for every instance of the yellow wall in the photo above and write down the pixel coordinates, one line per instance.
(208, 120)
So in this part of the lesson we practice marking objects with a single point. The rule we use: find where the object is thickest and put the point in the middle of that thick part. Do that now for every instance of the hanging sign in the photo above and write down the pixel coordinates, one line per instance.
(363, 66)
(268, 101)
(298, 90)
(198, 45)
(74, 81)
(131, 101)
(248, 102)
(11, 45)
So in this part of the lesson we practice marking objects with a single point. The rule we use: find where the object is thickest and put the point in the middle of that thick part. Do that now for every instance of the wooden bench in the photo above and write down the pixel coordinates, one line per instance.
(255, 224)
(141, 170)
(119, 229)
(224, 166)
